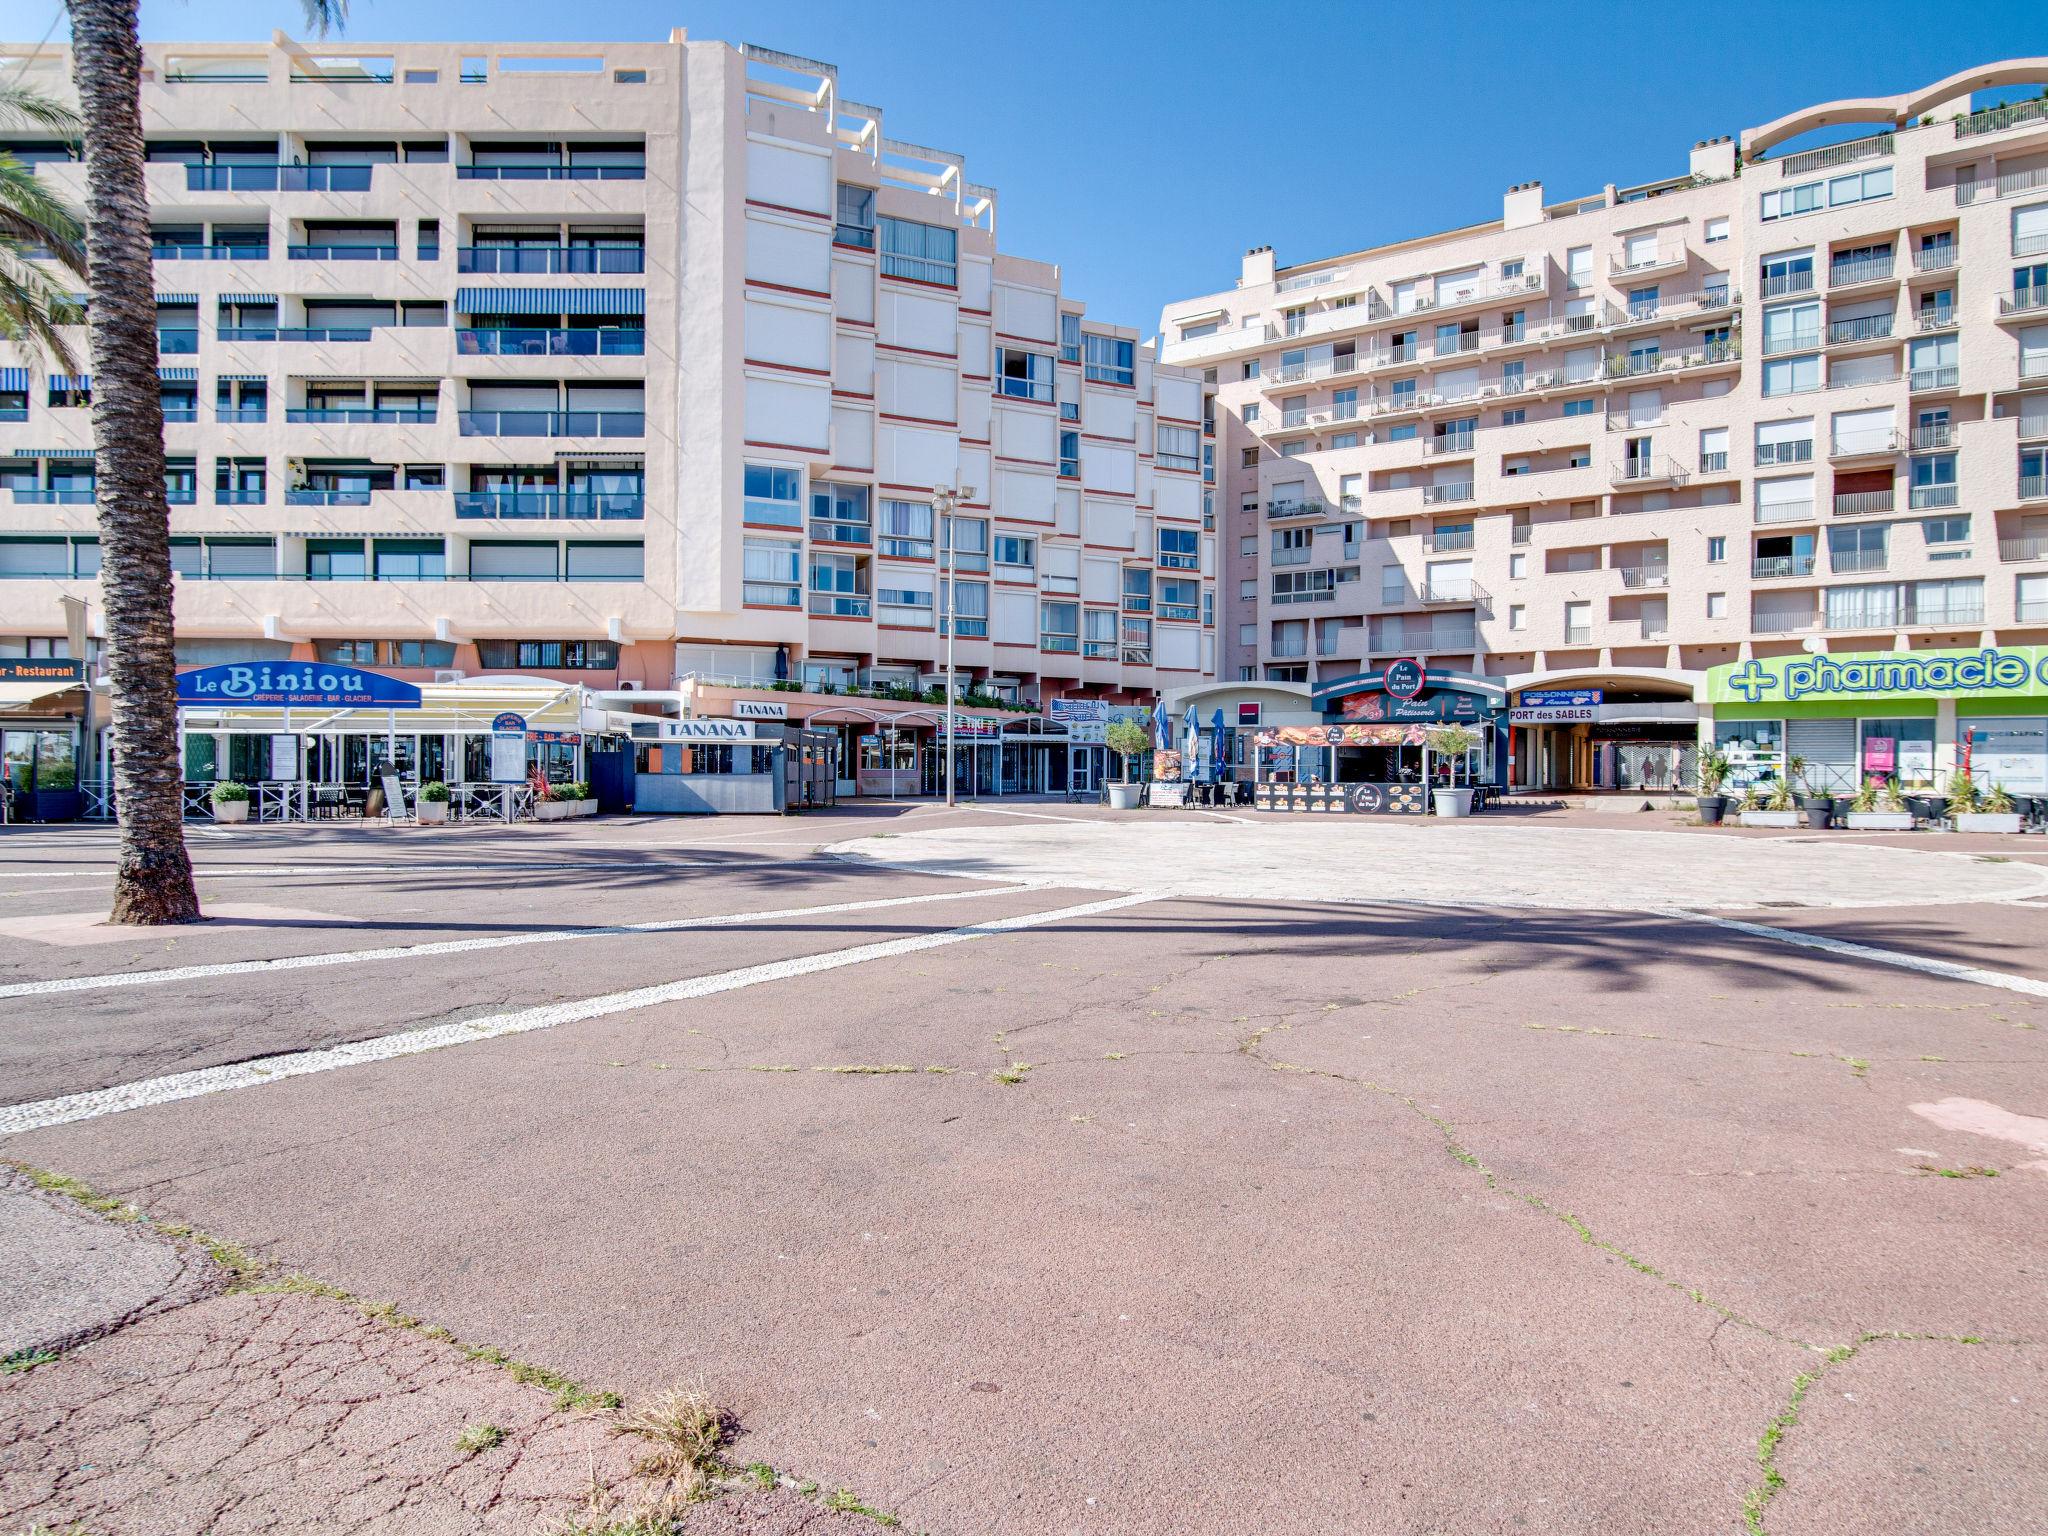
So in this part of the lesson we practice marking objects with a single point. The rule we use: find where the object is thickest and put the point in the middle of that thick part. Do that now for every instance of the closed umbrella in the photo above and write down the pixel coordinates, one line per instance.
(782, 663)
(1161, 733)
(1191, 733)
(1216, 753)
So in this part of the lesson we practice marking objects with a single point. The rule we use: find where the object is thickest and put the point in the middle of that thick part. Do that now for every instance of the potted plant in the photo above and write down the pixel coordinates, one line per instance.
(1817, 808)
(1992, 812)
(432, 803)
(1879, 810)
(1772, 807)
(1713, 773)
(1126, 738)
(230, 801)
(1453, 742)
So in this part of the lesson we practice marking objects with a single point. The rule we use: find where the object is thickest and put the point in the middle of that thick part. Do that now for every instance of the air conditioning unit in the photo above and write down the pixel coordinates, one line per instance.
(448, 675)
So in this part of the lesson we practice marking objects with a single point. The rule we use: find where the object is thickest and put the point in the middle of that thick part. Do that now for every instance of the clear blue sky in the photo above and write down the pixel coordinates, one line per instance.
(1144, 144)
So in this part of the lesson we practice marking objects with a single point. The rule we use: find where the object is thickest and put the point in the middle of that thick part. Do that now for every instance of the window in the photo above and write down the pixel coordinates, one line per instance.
(771, 494)
(1249, 459)
(1178, 448)
(1835, 192)
(1099, 635)
(1717, 549)
(1251, 368)
(1515, 417)
(1857, 547)
(1518, 616)
(1791, 328)
(839, 513)
(1788, 272)
(1247, 634)
(1791, 375)
(970, 608)
(1393, 585)
(1717, 605)
(546, 655)
(1578, 622)
(1785, 442)
(1251, 414)
(1137, 589)
(771, 574)
(343, 560)
(1304, 586)
(904, 605)
(1578, 407)
(1016, 557)
(430, 240)
(410, 560)
(906, 530)
(1578, 266)
(924, 253)
(1024, 375)
(1713, 450)
(856, 225)
(1070, 338)
(1518, 566)
(1059, 627)
(1109, 360)
(1717, 231)
(1179, 549)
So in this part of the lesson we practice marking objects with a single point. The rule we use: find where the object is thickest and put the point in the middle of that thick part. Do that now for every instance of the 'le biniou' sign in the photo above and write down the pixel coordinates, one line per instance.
(292, 683)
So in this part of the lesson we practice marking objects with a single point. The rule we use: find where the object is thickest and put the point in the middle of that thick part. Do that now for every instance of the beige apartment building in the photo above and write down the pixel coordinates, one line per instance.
(1789, 403)
(634, 365)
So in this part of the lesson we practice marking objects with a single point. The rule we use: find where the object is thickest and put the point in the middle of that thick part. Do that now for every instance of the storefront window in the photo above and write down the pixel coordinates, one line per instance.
(1755, 750)
(2011, 753)
(1902, 749)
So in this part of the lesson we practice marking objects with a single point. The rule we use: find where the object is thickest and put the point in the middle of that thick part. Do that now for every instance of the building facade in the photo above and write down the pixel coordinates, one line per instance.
(632, 365)
(1792, 401)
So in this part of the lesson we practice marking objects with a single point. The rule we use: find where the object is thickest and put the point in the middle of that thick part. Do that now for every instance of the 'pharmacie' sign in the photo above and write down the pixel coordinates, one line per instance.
(1989, 672)
(295, 683)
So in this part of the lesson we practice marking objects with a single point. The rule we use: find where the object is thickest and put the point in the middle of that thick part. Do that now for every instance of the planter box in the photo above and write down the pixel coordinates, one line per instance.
(553, 810)
(1770, 818)
(1880, 821)
(433, 810)
(1453, 802)
(1986, 821)
(1124, 797)
(231, 810)
(584, 807)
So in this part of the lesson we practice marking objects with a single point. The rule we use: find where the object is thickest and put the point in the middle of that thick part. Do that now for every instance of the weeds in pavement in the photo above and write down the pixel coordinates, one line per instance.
(685, 1433)
(1974, 1171)
(843, 1501)
(764, 1476)
(863, 1070)
(1013, 1072)
(22, 1361)
(479, 1437)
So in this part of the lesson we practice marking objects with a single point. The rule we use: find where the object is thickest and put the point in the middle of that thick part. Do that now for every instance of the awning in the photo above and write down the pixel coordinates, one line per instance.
(15, 695)
(242, 378)
(176, 376)
(248, 298)
(551, 301)
(177, 298)
(13, 379)
(53, 453)
(65, 384)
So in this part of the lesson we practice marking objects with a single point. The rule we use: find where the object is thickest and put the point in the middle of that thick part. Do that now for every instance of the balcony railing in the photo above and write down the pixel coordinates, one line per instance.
(2028, 546)
(1444, 541)
(349, 333)
(2023, 301)
(248, 415)
(840, 605)
(1940, 434)
(1644, 577)
(1906, 615)
(534, 260)
(1652, 468)
(534, 341)
(1923, 497)
(329, 496)
(237, 496)
(1777, 567)
(1863, 269)
(1578, 634)
(1662, 256)
(1995, 119)
(1295, 508)
(1939, 257)
(172, 413)
(1784, 512)
(1857, 445)
(1449, 442)
(1450, 591)
(2033, 487)
(277, 178)
(1863, 503)
(1436, 495)
(511, 505)
(1869, 328)
(1941, 317)
(550, 173)
(54, 495)
(1799, 451)
(174, 251)
(1922, 379)
(2030, 245)
(365, 416)
(1871, 148)
(553, 424)
(1713, 463)
(341, 252)
(1795, 341)
(1855, 562)
(2011, 184)
(1787, 282)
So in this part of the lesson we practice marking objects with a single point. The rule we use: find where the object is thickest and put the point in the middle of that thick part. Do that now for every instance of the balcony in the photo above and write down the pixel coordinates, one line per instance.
(317, 333)
(1864, 445)
(1855, 562)
(1780, 567)
(550, 173)
(553, 423)
(840, 605)
(1849, 333)
(1295, 508)
(1309, 373)
(1924, 498)
(1770, 455)
(1940, 434)
(1876, 146)
(524, 341)
(2030, 300)
(1445, 443)
(528, 505)
(1941, 317)
(341, 252)
(1438, 495)
(2011, 184)
(1861, 270)
(1998, 119)
(365, 416)
(1655, 469)
(1787, 283)
(277, 178)
(179, 252)
(1447, 541)
(1665, 255)
(537, 260)
(1445, 593)
(1482, 292)
(1863, 503)
(2033, 487)
(1784, 512)
(2029, 546)
(53, 495)
(1928, 380)
(1644, 578)
(1940, 257)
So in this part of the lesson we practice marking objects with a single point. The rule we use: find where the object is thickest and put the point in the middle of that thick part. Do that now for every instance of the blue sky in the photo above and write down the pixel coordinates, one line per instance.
(1144, 144)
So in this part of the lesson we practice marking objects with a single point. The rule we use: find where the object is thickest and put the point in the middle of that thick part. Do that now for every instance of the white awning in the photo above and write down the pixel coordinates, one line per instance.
(15, 695)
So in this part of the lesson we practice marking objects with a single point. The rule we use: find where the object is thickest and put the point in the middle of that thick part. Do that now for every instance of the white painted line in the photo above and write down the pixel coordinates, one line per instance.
(115, 979)
(1924, 964)
(269, 1069)
(251, 870)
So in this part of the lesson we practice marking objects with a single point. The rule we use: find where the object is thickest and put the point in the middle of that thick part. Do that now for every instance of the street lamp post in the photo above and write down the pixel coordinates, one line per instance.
(944, 499)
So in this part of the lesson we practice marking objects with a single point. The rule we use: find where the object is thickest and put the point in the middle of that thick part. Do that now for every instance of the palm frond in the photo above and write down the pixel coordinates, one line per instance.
(32, 217)
(32, 307)
(325, 16)
(20, 104)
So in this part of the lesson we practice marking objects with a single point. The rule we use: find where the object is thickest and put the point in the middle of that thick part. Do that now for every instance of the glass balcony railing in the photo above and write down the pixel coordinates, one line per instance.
(341, 252)
(328, 496)
(518, 505)
(522, 341)
(178, 251)
(231, 496)
(840, 605)
(546, 259)
(551, 173)
(553, 424)
(277, 178)
(364, 416)
(54, 495)
(294, 333)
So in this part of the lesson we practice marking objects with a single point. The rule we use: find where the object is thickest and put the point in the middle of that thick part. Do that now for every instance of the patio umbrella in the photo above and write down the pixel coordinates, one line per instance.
(1216, 752)
(1191, 729)
(1162, 737)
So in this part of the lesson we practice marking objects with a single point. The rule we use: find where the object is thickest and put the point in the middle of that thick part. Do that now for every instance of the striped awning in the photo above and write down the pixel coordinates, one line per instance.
(177, 298)
(12, 379)
(248, 298)
(178, 375)
(243, 378)
(65, 384)
(57, 453)
(551, 301)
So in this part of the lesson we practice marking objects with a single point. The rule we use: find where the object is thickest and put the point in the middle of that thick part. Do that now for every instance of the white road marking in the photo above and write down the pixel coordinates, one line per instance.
(269, 1069)
(114, 979)
(247, 871)
(1924, 964)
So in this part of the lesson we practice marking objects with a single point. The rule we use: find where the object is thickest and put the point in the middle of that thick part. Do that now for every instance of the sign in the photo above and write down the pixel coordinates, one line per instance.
(1343, 736)
(1553, 714)
(709, 730)
(1562, 698)
(1249, 714)
(967, 725)
(41, 670)
(286, 684)
(1090, 711)
(1406, 679)
(284, 758)
(556, 738)
(508, 724)
(1989, 672)
(508, 759)
(759, 709)
(1880, 754)
(1435, 706)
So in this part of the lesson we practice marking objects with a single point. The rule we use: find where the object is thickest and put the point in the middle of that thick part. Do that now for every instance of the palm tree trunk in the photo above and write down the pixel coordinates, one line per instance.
(153, 883)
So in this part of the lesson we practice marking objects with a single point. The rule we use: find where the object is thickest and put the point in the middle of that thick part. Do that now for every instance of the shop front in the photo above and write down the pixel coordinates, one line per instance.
(1377, 747)
(1913, 718)
(42, 709)
(1615, 732)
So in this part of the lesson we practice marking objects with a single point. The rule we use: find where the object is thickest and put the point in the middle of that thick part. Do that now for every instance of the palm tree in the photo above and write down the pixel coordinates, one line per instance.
(153, 879)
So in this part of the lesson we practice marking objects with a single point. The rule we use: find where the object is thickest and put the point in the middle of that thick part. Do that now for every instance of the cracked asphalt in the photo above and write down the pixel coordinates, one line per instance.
(1200, 1213)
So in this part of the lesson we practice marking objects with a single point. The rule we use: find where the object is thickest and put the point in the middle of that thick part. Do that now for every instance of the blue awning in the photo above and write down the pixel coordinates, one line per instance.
(59, 453)
(243, 378)
(178, 375)
(551, 301)
(13, 378)
(65, 384)
(248, 298)
(177, 298)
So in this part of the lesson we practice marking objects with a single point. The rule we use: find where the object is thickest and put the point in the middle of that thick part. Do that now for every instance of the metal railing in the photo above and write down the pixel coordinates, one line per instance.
(1295, 508)
(1862, 269)
(1994, 119)
(1657, 466)
(2011, 184)
(1933, 378)
(2030, 546)
(538, 259)
(1787, 282)
(550, 341)
(1939, 257)
(1784, 512)
(1906, 615)
(341, 252)
(1777, 567)
(1436, 495)
(1713, 463)
(1940, 317)
(1798, 341)
(294, 333)
(328, 497)
(1856, 562)
(1940, 434)
(1863, 503)
(2024, 300)
(1868, 328)
(1663, 256)
(1644, 577)
(1923, 497)
(2030, 245)
(553, 423)
(552, 504)
(364, 416)
(175, 251)
(277, 178)
(1444, 541)
(550, 173)
(1796, 452)
(1449, 442)
(1856, 445)
(1449, 591)
(2033, 487)
(1871, 148)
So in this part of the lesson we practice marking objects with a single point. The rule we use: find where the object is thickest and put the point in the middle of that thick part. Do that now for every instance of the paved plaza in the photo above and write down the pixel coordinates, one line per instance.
(1031, 1168)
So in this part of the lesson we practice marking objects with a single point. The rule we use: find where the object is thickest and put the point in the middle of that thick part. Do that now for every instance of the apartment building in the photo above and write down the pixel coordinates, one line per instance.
(1791, 401)
(635, 365)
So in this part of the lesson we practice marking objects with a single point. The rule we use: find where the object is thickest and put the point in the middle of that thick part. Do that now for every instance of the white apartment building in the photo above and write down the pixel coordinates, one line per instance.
(1791, 401)
(631, 364)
